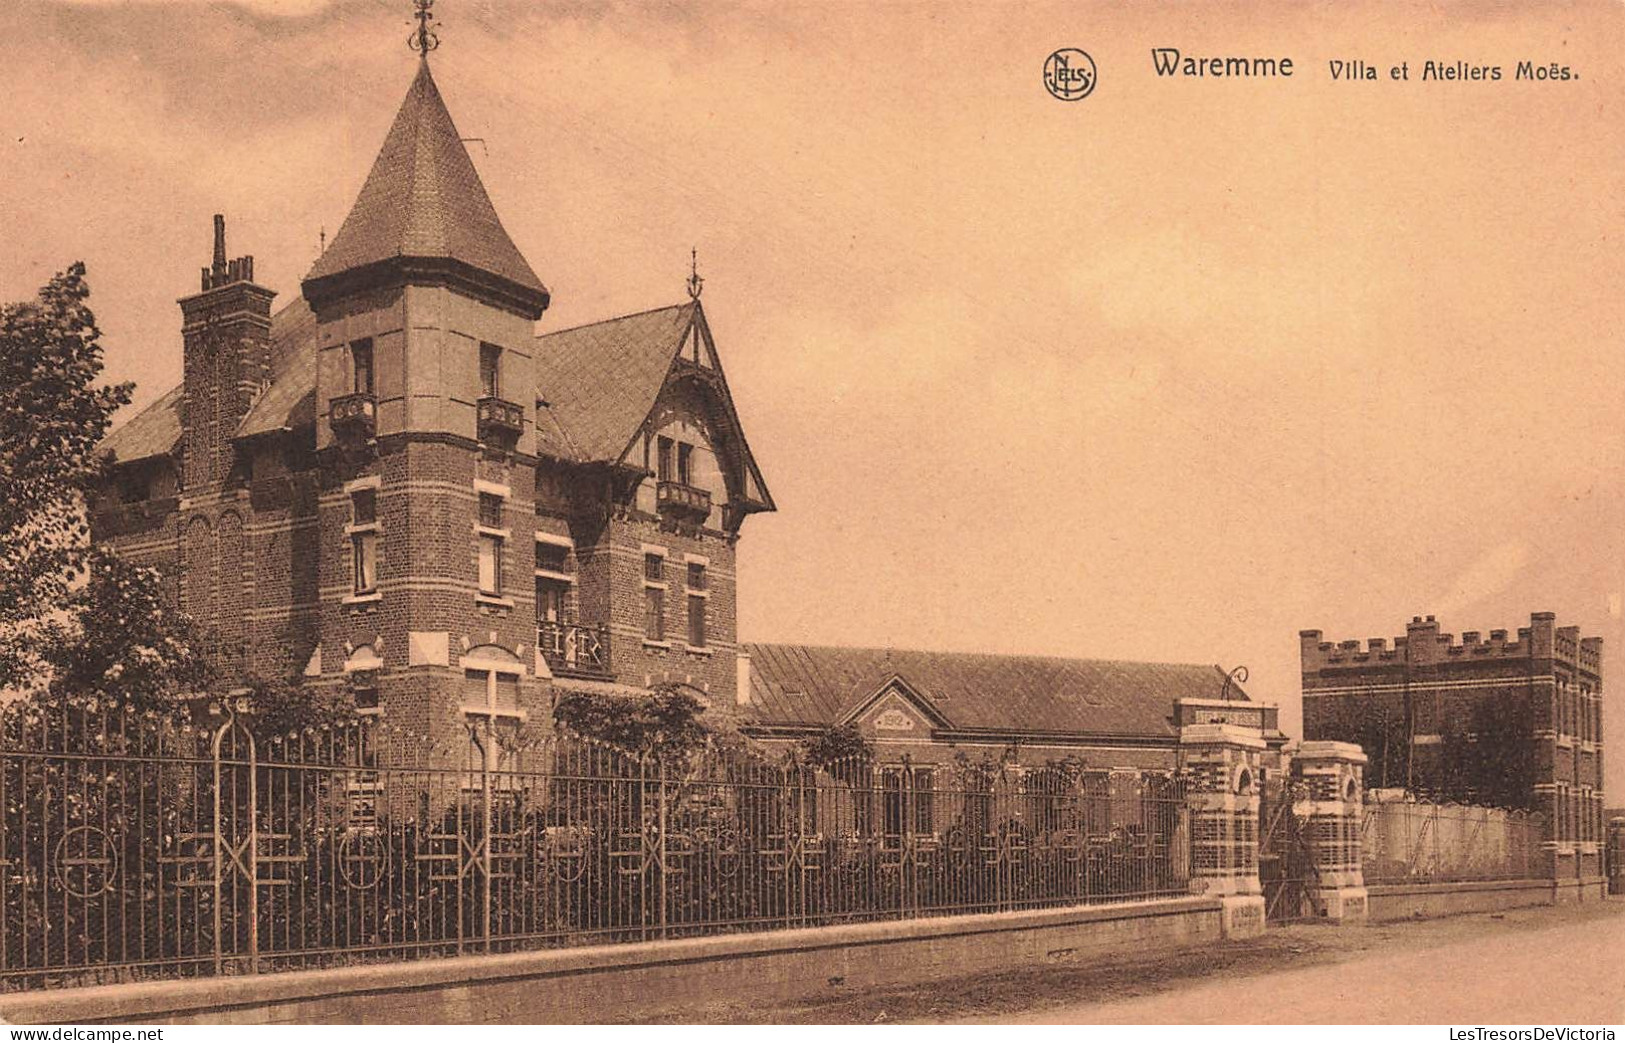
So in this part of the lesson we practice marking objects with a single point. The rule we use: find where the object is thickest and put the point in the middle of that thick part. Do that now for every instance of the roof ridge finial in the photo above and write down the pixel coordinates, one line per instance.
(423, 40)
(695, 283)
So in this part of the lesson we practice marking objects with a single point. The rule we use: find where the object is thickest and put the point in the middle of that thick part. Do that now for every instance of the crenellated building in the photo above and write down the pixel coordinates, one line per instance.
(1526, 709)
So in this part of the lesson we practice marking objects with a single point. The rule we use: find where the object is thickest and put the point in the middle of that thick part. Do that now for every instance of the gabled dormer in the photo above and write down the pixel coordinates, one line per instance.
(645, 397)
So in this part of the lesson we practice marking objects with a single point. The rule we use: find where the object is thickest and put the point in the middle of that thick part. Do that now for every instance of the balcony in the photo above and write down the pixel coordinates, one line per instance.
(500, 419)
(355, 414)
(683, 501)
(574, 649)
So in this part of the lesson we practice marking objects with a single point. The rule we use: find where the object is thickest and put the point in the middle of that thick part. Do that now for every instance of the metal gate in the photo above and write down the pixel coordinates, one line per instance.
(1287, 868)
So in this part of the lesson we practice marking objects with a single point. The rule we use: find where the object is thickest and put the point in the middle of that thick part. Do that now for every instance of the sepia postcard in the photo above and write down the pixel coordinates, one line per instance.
(526, 512)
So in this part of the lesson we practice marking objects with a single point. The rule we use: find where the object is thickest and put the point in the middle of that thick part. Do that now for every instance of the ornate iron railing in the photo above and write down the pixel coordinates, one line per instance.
(574, 649)
(135, 846)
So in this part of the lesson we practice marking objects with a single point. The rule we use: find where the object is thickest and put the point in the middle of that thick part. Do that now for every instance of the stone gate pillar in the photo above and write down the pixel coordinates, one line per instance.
(1222, 765)
(1329, 801)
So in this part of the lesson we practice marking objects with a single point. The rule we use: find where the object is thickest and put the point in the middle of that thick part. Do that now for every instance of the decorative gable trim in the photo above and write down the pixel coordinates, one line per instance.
(749, 494)
(896, 686)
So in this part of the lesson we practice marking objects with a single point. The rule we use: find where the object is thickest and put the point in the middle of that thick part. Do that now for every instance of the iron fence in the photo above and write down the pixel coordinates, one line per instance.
(136, 846)
(1405, 841)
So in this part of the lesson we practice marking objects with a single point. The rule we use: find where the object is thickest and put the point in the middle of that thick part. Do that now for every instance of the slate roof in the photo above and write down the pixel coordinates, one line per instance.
(820, 686)
(152, 432)
(423, 198)
(601, 380)
(289, 401)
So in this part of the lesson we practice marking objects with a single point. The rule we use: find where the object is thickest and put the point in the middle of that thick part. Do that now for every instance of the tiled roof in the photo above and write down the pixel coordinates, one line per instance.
(807, 685)
(600, 381)
(289, 401)
(424, 199)
(152, 432)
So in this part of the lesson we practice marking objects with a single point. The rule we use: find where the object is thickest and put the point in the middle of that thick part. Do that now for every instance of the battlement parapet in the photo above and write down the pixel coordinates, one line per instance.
(1423, 644)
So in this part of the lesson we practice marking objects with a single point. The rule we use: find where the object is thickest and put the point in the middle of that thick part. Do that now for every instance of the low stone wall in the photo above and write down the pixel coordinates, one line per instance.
(1591, 889)
(1404, 901)
(600, 983)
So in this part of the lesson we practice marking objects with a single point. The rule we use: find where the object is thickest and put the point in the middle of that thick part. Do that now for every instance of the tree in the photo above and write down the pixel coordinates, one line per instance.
(837, 748)
(120, 637)
(280, 707)
(52, 415)
(664, 723)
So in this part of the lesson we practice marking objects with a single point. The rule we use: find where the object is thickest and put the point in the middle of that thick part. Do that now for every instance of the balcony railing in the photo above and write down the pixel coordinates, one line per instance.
(353, 414)
(500, 418)
(574, 649)
(683, 500)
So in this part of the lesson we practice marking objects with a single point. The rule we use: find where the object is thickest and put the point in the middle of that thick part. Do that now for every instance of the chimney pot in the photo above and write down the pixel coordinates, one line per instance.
(219, 266)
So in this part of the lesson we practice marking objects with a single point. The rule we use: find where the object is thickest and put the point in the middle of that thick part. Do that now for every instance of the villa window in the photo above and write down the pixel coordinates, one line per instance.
(696, 621)
(490, 371)
(697, 595)
(553, 577)
(654, 594)
(654, 613)
(361, 367)
(663, 460)
(491, 539)
(491, 698)
(550, 600)
(364, 540)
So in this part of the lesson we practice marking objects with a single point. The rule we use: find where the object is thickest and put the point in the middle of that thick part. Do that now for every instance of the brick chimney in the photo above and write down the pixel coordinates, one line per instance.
(226, 332)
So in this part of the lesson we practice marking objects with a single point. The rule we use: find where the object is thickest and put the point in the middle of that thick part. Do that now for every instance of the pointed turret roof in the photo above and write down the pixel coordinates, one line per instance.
(424, 204)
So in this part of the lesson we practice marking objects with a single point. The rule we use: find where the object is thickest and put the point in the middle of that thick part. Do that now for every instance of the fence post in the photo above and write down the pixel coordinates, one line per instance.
(239, 859)
(1331, 800)
(485, 832)
(1222, 762)
(660, 854)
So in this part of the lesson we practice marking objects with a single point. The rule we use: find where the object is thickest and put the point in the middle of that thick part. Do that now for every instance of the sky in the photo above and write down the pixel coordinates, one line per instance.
(1168, 373)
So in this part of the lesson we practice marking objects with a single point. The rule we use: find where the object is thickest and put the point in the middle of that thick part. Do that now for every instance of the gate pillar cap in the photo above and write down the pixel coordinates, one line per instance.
(1326, 750)
(1221, 735)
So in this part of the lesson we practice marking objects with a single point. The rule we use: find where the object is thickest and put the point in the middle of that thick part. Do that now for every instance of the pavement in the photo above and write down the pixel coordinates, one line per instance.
(1545, 965)
(1563, 966)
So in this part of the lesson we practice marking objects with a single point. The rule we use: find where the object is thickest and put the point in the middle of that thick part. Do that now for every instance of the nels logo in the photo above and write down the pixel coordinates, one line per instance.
(1069, 74)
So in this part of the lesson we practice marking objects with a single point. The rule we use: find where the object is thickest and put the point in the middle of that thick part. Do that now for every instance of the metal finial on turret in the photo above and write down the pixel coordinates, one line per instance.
(695, 283)
(423, 40)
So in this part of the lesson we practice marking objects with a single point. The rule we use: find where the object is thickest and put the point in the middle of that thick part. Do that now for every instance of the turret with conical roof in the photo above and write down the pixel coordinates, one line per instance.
(424, 305)
(425, 407)
(424, 213)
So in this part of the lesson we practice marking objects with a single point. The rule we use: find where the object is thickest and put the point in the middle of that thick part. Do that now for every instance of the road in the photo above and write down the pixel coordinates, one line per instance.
(1542, 967)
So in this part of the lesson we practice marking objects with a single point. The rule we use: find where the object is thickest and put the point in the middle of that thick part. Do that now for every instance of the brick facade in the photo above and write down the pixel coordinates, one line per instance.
(370, 489)
(1418, 707)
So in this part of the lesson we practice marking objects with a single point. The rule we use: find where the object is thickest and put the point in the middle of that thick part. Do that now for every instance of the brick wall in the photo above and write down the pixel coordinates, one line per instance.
(602, 983)
(1428, 682)
(613, 590)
